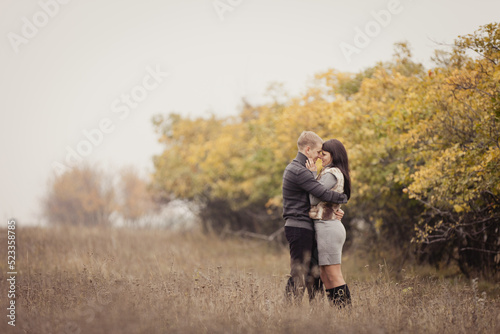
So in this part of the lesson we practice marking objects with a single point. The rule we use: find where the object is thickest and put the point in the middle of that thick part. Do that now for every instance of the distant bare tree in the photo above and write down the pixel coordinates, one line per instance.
(134, 198)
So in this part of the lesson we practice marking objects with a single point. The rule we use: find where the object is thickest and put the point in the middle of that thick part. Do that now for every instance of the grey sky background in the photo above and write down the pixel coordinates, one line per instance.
(66, 76)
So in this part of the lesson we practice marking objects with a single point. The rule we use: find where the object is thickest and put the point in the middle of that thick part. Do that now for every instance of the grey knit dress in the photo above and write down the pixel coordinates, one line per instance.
(330, 232)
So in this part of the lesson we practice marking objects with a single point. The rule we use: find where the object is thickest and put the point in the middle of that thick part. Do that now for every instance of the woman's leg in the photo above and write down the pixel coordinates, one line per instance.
(337, 290)
(324, 278)
(332, 276)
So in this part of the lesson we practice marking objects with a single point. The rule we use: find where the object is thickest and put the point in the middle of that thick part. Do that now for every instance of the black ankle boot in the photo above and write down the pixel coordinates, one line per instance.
(339, 296)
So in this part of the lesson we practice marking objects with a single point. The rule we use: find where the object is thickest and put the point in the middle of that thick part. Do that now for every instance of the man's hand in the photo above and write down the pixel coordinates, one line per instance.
(311, 165)
(339, 214)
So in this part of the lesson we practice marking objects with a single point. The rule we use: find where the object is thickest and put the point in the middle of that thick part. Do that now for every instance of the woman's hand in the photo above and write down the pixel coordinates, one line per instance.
(339, 214)
(311, 165)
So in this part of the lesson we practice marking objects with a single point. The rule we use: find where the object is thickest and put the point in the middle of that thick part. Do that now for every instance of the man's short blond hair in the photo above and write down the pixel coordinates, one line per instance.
(308, 138)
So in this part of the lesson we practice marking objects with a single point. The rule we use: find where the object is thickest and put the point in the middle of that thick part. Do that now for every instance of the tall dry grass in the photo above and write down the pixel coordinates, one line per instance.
(74, 280)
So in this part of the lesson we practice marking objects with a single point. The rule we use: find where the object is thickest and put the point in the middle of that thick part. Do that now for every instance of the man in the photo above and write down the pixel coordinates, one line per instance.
(298, 183)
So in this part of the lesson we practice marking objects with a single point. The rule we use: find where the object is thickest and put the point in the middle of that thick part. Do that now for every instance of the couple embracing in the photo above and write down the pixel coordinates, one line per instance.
(311, 209)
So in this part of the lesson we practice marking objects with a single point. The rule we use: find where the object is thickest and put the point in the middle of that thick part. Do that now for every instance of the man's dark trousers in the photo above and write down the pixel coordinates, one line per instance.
(304, 263)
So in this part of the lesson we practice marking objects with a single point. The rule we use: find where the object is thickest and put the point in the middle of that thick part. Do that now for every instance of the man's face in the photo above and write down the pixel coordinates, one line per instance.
(314, 152)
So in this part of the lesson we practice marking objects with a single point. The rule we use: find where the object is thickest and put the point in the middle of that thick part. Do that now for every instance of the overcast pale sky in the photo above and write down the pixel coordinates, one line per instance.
(85, 76)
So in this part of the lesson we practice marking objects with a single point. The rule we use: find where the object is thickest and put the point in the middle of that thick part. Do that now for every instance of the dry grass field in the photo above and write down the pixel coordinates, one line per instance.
(74, 280)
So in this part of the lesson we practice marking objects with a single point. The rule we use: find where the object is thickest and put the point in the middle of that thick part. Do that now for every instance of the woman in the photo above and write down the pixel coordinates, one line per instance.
(330, 233)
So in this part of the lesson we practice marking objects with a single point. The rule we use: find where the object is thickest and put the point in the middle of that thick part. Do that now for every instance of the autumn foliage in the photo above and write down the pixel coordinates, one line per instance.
(423, 147)
(88, 196)
(81, 196)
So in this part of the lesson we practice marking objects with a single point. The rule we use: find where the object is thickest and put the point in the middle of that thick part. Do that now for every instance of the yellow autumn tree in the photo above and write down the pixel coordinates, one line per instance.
(453, 151)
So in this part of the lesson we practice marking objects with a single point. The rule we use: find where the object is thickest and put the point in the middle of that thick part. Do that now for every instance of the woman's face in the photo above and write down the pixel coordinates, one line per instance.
(326, 158)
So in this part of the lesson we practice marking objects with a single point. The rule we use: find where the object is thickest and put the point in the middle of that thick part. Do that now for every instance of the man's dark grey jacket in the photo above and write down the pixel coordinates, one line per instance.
(298, 183)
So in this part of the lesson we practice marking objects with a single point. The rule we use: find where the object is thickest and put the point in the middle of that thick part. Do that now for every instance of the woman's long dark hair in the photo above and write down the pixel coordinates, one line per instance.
(339, 160)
